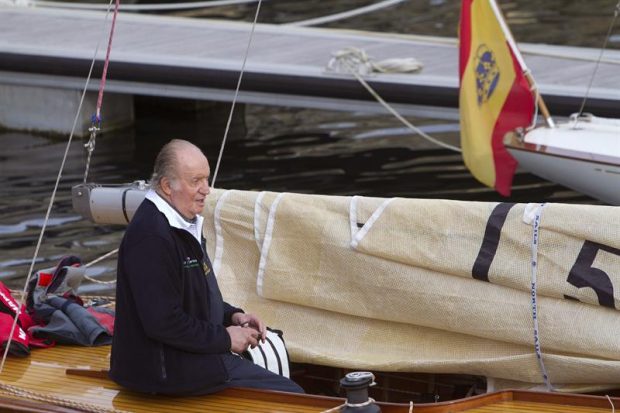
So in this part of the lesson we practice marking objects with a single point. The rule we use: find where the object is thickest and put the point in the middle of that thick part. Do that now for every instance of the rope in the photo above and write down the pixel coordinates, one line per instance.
(96, 120)
(96, 281)
(334, 409)
(36, 396)
(106, 63)
(216, 3)
(96, 260)
(344, 15)
(346, 57)
(613, 408)
(534, 299)
(142, 7)
(600, 56)
(103, 257)
(234, 101)
(354, 405)
(525, 49)
(343, 60)
(49, 207)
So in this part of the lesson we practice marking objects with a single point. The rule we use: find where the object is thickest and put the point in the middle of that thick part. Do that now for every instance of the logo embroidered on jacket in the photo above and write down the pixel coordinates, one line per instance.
(190, 263)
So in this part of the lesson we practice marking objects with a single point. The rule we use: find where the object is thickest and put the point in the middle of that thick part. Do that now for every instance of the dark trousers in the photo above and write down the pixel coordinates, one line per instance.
(244, 373)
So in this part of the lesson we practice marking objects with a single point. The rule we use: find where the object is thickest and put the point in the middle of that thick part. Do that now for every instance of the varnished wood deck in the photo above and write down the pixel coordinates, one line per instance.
(199, 58)
(44, 375)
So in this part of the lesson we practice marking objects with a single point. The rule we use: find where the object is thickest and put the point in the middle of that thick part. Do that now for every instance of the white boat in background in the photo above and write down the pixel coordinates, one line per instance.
(583, 154)
(498, 105)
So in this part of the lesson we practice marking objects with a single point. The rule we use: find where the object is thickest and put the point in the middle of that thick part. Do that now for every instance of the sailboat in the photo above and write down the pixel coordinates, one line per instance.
(498, 103)
(525, 295)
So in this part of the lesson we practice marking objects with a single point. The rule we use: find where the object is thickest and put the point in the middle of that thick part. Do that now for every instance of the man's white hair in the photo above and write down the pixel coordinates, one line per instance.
(166, 162)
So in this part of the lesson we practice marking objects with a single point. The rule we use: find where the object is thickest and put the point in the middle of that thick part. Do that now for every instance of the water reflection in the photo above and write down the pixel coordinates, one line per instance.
(431, 129)
(35, 223)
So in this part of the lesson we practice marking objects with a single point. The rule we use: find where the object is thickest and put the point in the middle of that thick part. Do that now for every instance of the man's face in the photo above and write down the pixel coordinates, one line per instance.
(188, 190)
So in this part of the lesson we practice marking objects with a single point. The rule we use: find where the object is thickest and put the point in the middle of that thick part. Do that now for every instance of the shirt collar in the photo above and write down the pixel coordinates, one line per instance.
(174, 218)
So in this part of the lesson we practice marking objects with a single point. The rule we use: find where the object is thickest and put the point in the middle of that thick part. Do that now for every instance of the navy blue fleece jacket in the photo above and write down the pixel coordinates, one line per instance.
(170, 327)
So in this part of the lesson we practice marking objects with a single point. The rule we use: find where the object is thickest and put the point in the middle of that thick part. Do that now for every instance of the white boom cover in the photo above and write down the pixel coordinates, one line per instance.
(426, 285)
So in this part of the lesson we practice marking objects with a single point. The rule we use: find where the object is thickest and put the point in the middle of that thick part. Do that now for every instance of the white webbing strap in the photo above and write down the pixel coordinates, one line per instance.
(359, 235)
(353, 216)
(219, 238)
(536, 214)
(266, 244)
(257, 207)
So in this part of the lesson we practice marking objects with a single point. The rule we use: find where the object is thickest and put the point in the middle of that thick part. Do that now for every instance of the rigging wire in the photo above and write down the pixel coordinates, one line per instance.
(234, 101)
(53, 196)
(598, 62)
(96, 119)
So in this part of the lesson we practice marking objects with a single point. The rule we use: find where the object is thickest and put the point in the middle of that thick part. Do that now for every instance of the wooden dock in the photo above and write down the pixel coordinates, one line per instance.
(200, 59)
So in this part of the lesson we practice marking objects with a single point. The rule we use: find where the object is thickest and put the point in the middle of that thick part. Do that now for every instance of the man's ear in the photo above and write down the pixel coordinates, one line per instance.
(166, 186)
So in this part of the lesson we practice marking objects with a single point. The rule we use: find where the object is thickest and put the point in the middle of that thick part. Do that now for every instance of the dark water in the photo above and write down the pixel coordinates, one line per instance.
(277, 149)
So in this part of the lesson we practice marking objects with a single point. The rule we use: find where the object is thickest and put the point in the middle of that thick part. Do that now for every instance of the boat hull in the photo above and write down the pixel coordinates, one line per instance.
(598, 180)
(584, 156)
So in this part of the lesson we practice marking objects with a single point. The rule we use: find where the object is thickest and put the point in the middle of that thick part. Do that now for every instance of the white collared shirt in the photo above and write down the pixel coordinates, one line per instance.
(174, 218)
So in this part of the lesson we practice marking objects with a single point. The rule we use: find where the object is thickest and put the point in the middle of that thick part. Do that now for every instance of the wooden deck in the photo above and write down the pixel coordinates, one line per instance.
(48, 376)
(200, 59)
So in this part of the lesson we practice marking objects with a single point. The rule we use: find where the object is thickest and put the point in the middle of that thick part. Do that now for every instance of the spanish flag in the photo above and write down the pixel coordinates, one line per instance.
(495, 97)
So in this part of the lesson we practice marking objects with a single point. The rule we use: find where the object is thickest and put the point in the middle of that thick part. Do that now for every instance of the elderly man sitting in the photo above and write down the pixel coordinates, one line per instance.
(174, 333)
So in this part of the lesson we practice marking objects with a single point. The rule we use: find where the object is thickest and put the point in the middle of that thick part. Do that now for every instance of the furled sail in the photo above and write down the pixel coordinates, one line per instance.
(495, 96)
(426, 285)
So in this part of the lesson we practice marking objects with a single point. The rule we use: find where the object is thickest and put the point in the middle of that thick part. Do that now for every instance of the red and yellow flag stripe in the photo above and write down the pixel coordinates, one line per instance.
(494, 98)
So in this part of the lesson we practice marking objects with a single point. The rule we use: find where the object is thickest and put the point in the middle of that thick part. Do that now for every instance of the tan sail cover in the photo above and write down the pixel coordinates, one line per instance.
(427, 285)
